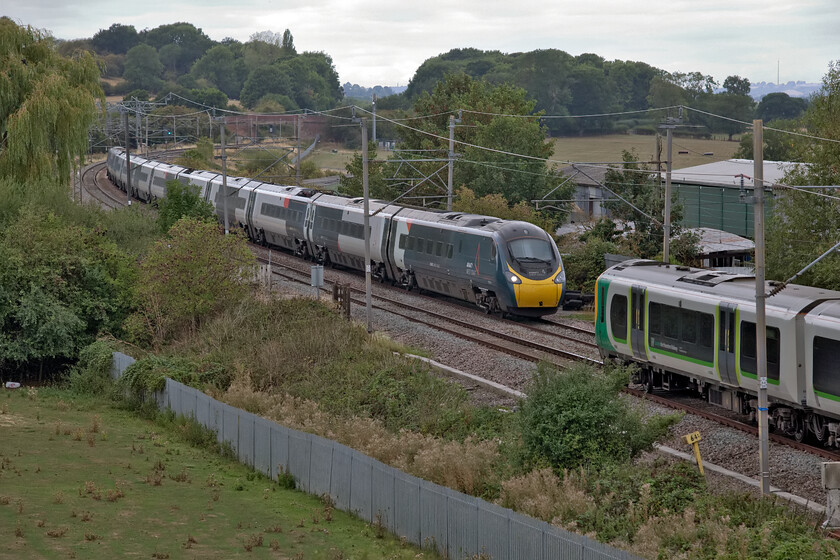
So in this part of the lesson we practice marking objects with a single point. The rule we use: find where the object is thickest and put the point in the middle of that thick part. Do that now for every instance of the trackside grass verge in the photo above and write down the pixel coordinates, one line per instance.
(82, 479)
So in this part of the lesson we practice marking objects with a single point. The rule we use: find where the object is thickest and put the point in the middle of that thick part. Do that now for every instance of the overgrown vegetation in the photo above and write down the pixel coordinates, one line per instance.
(575, 418)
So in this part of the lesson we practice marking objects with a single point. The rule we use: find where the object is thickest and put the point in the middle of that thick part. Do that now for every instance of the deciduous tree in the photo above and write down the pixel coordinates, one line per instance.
(188, 275)
(47, 103)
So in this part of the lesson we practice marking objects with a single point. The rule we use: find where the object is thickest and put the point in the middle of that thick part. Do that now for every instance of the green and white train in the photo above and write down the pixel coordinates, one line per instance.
(689, 328)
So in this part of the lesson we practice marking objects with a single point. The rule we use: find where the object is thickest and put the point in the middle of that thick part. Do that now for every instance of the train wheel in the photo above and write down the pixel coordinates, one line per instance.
(819, 428)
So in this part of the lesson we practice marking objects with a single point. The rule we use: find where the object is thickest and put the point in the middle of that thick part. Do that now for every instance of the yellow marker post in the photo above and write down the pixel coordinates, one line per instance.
(693, 439)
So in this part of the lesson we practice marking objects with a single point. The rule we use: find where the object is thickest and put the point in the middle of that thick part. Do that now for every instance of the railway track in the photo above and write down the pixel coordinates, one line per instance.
(517, 346)
(94, 180)
(511, 344)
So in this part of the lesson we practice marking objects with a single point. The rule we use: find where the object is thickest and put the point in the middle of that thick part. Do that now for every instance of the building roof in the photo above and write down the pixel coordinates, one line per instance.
(727, 173)
(718, 241)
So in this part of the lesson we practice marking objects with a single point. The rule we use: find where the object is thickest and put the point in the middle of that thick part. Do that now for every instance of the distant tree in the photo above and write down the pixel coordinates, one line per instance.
(275, 103)
(737, 85)
(47, 104)
(736, 108)
(117, 39)
(221, 69)
(257, 54)
(779, 105)
(69, 49)
(778, 146)
(481, 170)
(170, 56)
(192, 41)
(496, 205)
(139, 94)
(665, 93)
(378, 187)
(288, 42)
(632, 83)
(263, 81)
(641, 202)
(592, 93)
(143, 68)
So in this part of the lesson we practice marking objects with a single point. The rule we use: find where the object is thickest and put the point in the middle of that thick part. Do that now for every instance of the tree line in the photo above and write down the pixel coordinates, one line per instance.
(266, 73)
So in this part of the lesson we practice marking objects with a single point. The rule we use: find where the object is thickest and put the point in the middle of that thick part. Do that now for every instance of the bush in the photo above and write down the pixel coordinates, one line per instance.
(575, 417)
(92, 374)
(149, 374)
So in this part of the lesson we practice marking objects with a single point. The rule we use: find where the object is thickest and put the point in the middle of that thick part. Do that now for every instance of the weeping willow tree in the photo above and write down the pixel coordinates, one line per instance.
(47, 103)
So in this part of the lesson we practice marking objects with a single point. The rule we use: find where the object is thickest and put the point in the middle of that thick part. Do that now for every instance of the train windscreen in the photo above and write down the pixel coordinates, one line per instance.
(531, 249)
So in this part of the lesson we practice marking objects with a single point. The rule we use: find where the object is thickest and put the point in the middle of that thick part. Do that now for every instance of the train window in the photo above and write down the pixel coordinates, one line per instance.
(618, 317)
(707, 330)
(689, 333)
(449, 249)
(493, 251)
(655, 319)
(827, 365)
(401, 243)
(439, 249)
(689, 326)
(670, 322)
(430, 246)
(748, 350)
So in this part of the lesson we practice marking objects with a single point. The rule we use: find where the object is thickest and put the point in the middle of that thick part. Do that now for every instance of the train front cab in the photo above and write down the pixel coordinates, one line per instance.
(533, 268)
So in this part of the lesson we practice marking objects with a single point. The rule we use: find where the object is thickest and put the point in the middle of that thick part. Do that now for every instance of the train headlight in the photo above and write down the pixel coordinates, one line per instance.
(514, 279)
(560, 278)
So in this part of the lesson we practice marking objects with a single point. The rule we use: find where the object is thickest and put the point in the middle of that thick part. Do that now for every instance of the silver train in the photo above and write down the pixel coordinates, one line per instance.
(505, 267)
(696, 329)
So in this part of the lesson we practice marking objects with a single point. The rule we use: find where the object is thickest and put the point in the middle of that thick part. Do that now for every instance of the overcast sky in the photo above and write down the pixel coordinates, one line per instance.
(374, 42)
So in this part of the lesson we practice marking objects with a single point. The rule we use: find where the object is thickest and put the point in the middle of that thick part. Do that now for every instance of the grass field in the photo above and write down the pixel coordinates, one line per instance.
(332, 158)
(608, 149)
(80, 479)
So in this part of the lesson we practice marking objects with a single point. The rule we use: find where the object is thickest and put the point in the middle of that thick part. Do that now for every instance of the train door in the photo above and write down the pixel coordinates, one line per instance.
(637, 321)
(726, 343)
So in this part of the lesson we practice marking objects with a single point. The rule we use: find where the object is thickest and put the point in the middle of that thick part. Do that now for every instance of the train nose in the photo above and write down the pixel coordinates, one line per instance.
(540, 294)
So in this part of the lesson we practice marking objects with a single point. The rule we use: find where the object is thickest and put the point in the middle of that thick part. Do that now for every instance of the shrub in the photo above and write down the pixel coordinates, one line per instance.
(92, 374)
(149, 374)
(575, 417)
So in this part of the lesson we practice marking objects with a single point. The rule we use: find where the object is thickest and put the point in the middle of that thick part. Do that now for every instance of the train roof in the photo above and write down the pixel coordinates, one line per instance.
(288, 190)
(725, 286)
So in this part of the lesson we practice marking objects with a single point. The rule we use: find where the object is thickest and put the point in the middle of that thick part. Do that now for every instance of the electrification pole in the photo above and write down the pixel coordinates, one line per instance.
(127, 161)
(366, 223)
(451, 170)
(666, 244)
(224, 175)
(760, 300)
(297, 165)
(374, 118)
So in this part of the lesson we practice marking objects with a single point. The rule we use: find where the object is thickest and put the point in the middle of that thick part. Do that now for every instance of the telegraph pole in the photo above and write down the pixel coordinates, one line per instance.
(365, 193)
(760, 300)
